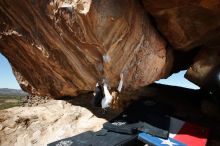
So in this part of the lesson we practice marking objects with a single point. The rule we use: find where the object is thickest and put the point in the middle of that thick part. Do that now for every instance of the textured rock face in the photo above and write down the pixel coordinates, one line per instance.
(187, 23)
(38, 126)
(205, 71)
(190, 24)
(61, 48)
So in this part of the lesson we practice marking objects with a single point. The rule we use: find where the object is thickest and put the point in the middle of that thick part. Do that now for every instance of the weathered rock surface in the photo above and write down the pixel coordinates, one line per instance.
(38, 126)
(190, 24)
(61, 48)
(187, 23)
(205, 71)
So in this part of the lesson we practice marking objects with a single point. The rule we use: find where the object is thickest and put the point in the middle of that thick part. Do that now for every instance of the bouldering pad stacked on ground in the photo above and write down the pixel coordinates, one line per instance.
(140, 117)
(100, 138)
(141, 123)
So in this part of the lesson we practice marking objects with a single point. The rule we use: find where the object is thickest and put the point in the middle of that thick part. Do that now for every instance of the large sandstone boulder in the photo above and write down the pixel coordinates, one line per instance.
(64, 47)
(187, 23)
(38, 126)
(190, 24)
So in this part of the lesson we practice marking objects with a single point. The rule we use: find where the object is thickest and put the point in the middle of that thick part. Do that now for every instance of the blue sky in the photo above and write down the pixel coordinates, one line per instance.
(7, 79)
(178, 80)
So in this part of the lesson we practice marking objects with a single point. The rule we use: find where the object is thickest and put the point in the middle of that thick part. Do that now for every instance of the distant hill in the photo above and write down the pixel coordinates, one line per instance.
(12, 92)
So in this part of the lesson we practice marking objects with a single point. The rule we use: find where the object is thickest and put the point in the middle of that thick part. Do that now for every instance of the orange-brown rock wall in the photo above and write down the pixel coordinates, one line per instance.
(65, 47)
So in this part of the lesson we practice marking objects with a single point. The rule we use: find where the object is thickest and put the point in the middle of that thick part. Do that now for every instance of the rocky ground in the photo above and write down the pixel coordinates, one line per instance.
(31, 100)
(45, 123)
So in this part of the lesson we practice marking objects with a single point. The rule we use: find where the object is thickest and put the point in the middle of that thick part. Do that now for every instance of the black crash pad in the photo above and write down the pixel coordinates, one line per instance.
(100, 138)
(142, 116)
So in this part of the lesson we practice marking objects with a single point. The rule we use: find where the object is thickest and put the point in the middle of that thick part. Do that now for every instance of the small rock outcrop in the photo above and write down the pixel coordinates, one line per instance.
(31, 100)
(205, 70)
